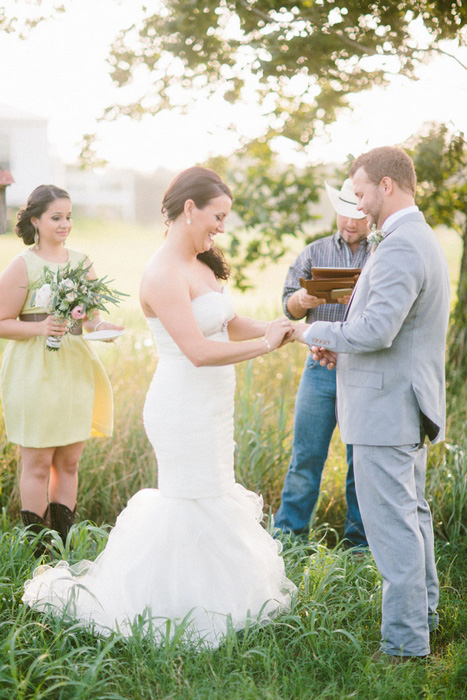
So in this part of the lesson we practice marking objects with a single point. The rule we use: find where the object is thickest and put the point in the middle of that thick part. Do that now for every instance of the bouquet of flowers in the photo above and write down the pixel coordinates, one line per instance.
(69, 295)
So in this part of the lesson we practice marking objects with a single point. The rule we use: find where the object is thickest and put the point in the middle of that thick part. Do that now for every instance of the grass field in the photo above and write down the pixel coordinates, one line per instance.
(321, 649)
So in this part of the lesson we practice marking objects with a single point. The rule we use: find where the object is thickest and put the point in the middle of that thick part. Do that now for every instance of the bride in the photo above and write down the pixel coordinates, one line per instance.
(192, 551)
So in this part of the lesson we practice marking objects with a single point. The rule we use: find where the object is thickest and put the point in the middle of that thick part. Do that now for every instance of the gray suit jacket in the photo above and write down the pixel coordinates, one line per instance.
(390, 371)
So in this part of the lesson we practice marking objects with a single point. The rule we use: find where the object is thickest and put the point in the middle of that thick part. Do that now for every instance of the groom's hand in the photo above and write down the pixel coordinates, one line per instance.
(324, 356)
(298, 331)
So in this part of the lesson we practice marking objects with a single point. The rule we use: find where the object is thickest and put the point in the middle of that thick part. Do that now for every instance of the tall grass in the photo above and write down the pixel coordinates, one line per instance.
(447, 467)
(263, 428)
(320, 649)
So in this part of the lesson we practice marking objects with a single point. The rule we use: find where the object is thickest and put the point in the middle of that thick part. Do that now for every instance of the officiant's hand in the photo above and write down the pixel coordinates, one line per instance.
(324, 356)
(308, 301)
(300, 302)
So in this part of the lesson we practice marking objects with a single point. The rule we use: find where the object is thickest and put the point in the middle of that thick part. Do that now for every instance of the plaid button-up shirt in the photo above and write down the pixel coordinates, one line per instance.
(331, 251)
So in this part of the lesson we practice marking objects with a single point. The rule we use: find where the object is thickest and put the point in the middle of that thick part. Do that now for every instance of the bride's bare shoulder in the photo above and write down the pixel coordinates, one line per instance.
(162, 271)
(159, 265)
(163, 281)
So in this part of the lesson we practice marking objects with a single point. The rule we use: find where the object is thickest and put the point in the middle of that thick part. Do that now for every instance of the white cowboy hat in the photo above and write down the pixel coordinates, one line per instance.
(344, 201)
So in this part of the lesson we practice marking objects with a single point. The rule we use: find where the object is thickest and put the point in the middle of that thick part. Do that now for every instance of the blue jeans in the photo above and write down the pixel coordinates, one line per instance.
(314, 423)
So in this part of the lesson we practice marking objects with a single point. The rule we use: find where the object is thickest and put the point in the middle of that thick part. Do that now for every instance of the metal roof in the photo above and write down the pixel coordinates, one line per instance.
(6, 178)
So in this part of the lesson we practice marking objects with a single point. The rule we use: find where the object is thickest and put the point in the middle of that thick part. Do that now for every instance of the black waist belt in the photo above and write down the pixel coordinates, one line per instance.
(75, 329)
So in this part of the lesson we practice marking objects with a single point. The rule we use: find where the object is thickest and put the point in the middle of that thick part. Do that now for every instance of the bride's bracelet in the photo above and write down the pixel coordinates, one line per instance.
(268, 344)
(98, 324)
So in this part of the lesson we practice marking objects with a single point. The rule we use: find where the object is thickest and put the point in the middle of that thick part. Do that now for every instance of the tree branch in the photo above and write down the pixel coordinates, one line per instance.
(445, 53)
(355, 44)
(258, 12)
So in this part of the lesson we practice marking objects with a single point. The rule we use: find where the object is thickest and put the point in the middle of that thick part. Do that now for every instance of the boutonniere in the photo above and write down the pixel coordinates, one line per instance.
(375, 237)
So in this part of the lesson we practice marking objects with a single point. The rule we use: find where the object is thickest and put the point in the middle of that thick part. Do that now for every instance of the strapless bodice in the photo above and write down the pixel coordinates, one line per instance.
(212, 312)
(195, 404)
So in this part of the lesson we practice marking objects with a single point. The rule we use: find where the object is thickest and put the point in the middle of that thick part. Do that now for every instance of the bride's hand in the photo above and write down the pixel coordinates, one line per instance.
(279, 332)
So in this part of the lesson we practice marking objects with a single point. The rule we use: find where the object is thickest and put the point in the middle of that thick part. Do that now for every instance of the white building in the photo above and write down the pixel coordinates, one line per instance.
(25, 151)
(109, 193)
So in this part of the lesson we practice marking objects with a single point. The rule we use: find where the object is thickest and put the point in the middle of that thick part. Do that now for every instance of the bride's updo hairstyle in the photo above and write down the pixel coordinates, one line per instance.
(201, 185)
(38, 201)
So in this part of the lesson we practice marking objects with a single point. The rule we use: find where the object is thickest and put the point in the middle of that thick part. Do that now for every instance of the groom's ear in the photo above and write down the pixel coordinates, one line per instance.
(387, 184)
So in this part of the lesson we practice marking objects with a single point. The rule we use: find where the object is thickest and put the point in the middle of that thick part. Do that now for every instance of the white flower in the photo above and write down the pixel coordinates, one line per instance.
(43, 296)
(375, 237)
(71, 296)
(66, 284)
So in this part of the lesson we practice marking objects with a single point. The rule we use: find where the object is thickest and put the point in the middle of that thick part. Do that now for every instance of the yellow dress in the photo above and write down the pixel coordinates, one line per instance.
(53, 398)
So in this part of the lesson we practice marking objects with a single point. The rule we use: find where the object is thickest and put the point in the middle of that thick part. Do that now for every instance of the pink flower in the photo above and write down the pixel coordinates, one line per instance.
(78, 312)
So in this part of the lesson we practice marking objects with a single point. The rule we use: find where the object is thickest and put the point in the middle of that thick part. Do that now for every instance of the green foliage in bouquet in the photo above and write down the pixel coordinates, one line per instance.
(70, 295)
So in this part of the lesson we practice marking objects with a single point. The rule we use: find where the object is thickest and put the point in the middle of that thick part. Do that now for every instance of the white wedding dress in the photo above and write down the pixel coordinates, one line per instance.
(191, 551)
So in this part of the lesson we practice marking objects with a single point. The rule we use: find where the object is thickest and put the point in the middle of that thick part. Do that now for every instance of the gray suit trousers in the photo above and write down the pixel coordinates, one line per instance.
(390, 483)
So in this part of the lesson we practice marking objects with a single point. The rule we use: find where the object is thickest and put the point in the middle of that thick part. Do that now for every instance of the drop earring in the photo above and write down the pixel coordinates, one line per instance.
(36, 238)
(188, 221)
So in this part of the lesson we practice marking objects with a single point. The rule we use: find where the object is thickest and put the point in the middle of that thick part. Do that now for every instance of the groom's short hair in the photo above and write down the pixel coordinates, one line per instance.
(387, 161)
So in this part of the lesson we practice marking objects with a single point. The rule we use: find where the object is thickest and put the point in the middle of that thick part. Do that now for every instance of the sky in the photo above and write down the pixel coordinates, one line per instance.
(60, 73)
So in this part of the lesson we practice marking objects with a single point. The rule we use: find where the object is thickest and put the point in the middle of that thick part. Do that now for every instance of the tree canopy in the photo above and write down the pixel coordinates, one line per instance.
(303, 58)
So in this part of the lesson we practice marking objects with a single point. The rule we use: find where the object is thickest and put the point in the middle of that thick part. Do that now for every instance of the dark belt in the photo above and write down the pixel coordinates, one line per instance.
(75, 329)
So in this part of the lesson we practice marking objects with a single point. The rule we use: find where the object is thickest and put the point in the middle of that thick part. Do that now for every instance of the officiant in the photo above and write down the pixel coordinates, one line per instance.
(315, 405)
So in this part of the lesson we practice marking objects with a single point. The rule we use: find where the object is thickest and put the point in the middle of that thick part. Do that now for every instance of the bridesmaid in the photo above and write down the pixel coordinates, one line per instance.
(52, 401)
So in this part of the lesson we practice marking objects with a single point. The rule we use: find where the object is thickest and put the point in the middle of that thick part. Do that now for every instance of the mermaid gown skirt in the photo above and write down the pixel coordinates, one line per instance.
(192, 551)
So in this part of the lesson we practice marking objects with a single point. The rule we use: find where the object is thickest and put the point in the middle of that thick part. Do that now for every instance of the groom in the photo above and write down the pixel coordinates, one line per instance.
(391, 392)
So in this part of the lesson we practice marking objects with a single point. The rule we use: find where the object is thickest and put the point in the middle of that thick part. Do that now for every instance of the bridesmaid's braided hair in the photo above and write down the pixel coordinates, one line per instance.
(201, 185)
(38, 201)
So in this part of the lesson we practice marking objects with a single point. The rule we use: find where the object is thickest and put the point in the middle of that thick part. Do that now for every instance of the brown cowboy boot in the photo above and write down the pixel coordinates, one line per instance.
(61, 519)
